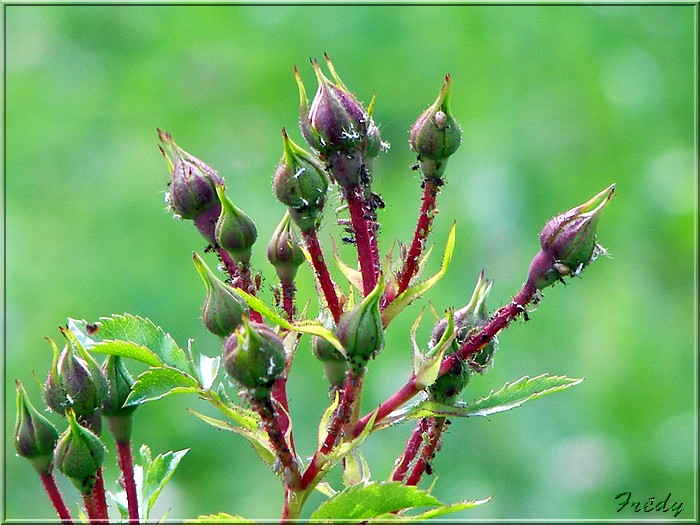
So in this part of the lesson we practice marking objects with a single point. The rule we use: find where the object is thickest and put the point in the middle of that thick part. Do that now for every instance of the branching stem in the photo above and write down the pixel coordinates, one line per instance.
(126, 464)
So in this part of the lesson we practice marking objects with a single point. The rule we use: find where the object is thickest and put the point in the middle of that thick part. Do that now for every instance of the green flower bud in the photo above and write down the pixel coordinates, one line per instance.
(235, 231)
(300, 180)
(35, 436)
(254, 356)
(118, 417)
(75, 380)
(334, 364)
(467, 321)
(283, 250)
(436, 135)
(79, 454)
(192, 186)
(361, 331)
(223, 308)
(448, 386)
(568, 242)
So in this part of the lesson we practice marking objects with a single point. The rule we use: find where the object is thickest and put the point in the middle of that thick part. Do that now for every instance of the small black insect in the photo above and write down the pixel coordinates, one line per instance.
(376, 201)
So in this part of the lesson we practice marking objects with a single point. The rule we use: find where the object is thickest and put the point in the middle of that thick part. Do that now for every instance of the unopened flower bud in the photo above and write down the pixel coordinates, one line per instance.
(118, 417)
(336, 119)
(568, 242)
(75, 380)
(254, 356)
(192, 187)
(35, 436)
(361, 331)
(283, 251)
(300, 180)
(436, 135)
(235, 231)
(334, 364)
(223, 308)
(79, 454)
(468, 320)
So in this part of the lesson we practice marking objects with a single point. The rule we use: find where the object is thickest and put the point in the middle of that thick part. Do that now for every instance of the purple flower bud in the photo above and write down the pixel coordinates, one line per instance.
(254, 356)
(568, 242)
(361, 331)
(235, 231)
(436, 135)
(283, 250)
(75, 380)
(79, 454)
(192, 186)
(300, 180)
(223, 308)
(35, 436)
(336, 119)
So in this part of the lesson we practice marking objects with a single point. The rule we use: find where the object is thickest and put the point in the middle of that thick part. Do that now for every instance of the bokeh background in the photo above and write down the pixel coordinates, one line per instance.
(556, 103)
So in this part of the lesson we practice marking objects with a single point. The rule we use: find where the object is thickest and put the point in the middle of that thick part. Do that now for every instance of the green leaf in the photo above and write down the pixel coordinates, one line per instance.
(221, 517)
(127, 349)
(133, 329)
(369, 500)
(445, 509)
(417, 290)
(156, 383)
(305, 327)
(509, 397)
(353, 276)
(157, 473)
(257, 438)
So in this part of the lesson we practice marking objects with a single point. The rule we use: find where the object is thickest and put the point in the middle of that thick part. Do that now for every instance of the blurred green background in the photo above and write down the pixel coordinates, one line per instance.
(556, 103)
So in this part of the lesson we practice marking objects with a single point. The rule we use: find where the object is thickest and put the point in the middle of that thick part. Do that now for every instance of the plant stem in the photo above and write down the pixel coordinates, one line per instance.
(434, 427)
(431, 188)
(365, 237)
(54, 494)
(322, 274)
(340, 418)
(279, 394)
(270, 421)
(410, 451)
(476, 342)
(99, 497)
(91, 507)
(126, 465)
(288, 291)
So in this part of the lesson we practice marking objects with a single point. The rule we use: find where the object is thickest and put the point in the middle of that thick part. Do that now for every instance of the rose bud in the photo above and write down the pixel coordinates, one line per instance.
(35, 436)
(283, 251)
(334, 364)
(235, 231)
(79, 454)
(118, 417)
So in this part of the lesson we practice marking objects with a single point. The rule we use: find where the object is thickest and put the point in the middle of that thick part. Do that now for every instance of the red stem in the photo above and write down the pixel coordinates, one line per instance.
(99, 497)
(412, 447)
(91, 507)
(431, 188)
(365, 237)
(279, 394)
(434, 427)
(498, 322)
(288, 290)
(270, 421)
(126, 464)
(341, 417)
(54, 494)
(324, 278)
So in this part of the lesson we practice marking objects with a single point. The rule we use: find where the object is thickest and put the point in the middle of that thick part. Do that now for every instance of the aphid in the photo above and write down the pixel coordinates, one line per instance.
(348, 240)
(428, 469)
(441, 120)
(376, 201)
(365, 177)
(523, 311)
(562, 268)
(92, 328)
